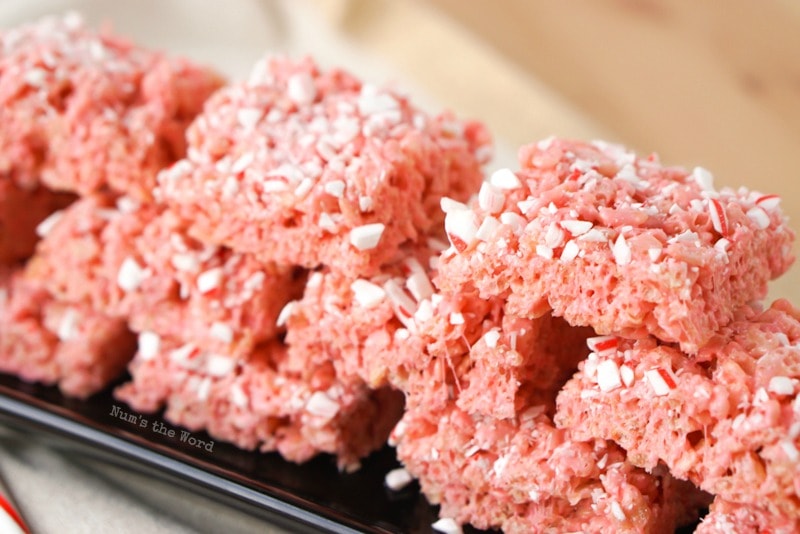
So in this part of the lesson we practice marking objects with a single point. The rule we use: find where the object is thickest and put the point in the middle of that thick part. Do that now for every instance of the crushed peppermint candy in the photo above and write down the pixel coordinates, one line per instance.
(461, 228)
(335, 188)
(790, 450)
(617, 512)
(487, 229)
(719, 217)
(219, 366)
(621, 251)
(286, 312)
(367, 294)
(44, 227)
(321, 405)
(627, 375)
(448, 204)
(608, 376)
(603, 345)
(504, 179)
(759, 217)
(301, 89)
(419, 285)
(239, 398)
(68, 326)
(130, 275)
(209, 280)
(491, 338)
(221, 331)
(490, 198)
(447, 525)
(397, 479)
(456, 318)
(366, 237)
(570, 251)
(768, 202)
(781, 385)
(661, 380)
(704, 178)
(403, 305)
(149, 345)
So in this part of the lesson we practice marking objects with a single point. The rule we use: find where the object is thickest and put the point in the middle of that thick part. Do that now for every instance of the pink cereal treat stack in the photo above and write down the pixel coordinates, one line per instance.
(262, 401)
(477, 431)
(135, 261)
(82, 111)
(526, 476)
(311, 167)
(727, 418)
(617, 242)
(43, 340)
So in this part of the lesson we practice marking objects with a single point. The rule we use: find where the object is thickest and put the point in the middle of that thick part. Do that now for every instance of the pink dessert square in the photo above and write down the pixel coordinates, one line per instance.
(83, 111)
(259, 402)
(137, 262)
(728, 418)
(310, 167)
(44, 340)
(618, 242)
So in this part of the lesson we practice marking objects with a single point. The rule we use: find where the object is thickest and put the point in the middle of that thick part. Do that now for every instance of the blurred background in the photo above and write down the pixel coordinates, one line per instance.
(700, 83)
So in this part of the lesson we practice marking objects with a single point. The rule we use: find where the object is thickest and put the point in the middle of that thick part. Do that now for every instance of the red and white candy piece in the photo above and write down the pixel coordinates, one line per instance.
(603, 345)
(461, 228)
(403, 305)
(661, 380)
(209, 280)
(719, 218)
(759, 217)
(768, 202)
(10, 520)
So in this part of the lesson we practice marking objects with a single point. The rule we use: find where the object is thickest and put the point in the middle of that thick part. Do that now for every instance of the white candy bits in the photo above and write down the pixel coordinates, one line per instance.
(366, 237)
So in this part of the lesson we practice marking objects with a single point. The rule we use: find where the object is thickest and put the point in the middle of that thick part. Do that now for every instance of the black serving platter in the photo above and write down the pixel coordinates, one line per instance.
(313, 497)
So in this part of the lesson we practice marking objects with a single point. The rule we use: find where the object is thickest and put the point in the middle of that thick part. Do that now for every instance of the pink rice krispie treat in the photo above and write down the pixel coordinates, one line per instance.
(526, 476)
(477, 430)
(728, 518)
(261, 402)
(43, 340)
(308, 167)
(616, 242)
(21, 210)
(486, 361)
(728, 418)
(137, 262)
(363, 324)
(82, 110)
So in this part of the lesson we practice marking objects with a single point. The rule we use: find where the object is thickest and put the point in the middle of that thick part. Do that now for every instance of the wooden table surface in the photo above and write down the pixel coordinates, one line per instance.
(709, 84)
